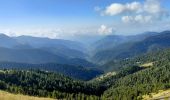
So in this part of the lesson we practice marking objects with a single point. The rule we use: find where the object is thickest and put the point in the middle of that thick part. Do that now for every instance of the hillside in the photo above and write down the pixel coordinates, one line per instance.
(9, 96)
(139, 60)
(107, 42)
(140, 67)
(110, 80)
(38, 56)
(134, 48)
(112, 41)
(46, 84)
(143, 82)
(143, 75)
(76, 72)
(140, 83)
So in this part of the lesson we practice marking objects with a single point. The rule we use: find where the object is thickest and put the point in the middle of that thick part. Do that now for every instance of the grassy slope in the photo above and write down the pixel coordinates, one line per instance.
(162, 94)
(8, 96)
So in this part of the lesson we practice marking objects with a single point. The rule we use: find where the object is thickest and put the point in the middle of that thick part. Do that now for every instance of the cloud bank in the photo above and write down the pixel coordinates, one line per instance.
(58, 32)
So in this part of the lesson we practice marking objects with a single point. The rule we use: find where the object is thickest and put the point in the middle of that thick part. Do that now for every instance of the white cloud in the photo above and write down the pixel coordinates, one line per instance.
(37, 32)
(127, 19)
(114, 9)
(134, 6)
(137, 19)
(152, 6)
(104, 30)
(54, 32)
(117, 8)
(150, 10)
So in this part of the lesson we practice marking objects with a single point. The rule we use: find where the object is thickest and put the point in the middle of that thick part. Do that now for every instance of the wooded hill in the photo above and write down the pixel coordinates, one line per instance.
(130, 83)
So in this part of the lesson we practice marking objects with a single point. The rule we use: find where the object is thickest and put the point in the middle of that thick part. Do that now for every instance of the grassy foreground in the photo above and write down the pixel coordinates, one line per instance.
(9, 96)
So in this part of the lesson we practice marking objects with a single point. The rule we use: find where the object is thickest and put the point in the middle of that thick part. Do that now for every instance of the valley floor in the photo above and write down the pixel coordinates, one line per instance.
(9, 96)
(161, 95)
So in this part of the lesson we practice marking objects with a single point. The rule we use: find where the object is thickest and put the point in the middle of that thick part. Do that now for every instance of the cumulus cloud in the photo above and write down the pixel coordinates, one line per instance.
(114, 9)
(117, 8)
(137, 12)
(104, 30)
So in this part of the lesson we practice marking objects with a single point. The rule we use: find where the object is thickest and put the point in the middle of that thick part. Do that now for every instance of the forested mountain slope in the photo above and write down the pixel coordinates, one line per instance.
(130, 49)
(38, 56)
(149, 57)
(134, 80)
(152, 79)
(76, 72)
(45, 84)
(112, 41)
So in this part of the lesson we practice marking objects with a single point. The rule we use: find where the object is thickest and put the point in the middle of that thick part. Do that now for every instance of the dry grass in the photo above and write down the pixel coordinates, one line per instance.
(9, 96)
(147, 64)
(162, 94)
(109, 74)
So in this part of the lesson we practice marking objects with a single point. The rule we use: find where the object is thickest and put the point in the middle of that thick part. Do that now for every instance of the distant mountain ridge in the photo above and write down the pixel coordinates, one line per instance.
(112, 41)
(27, 49)
(140, 44)
(38, 42)
(35, 50)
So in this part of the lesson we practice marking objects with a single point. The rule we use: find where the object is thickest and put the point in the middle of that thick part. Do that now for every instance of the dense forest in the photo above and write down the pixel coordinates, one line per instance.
(131, 82)
(148, 80)
(76, 72)
(46, 84)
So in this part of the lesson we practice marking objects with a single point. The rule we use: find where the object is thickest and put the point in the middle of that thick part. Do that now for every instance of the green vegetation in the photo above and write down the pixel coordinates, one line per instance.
(138, 84)
(132, 87)
(133, 66)
(131, 82)
(76, 72)
(109, 81)
(140, 60)
(45, 84)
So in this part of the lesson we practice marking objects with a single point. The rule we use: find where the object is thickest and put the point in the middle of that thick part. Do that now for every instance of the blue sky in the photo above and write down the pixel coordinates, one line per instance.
(60, 18)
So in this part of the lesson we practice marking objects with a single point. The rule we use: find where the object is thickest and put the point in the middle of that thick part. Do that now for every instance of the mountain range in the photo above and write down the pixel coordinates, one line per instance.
(26, 49)
(130, 46)
(100, 54)
(114, 67)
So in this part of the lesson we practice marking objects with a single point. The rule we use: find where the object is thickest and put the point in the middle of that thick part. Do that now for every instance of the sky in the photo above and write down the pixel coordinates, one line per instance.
(69, 18)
